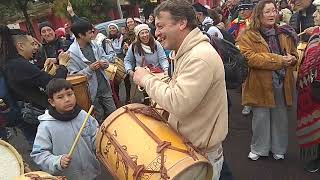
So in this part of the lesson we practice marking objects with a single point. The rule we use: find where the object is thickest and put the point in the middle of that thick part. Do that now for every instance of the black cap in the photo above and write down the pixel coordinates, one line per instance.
(245, 5)
(200, 8)
(45, 24)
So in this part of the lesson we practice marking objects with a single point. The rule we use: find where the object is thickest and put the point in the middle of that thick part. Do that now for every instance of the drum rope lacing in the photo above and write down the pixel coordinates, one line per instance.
(139, 170)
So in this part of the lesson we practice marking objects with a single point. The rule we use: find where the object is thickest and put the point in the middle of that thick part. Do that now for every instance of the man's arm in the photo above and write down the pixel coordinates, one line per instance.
(186, 94)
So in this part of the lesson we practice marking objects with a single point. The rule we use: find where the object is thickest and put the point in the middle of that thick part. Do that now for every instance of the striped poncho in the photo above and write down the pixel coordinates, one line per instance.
(308, 110)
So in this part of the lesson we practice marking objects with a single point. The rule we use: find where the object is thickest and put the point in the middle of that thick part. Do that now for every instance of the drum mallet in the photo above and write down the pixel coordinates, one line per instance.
(80, 131)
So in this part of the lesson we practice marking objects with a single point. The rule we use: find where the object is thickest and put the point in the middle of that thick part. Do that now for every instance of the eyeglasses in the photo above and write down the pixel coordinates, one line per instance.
(270, 12)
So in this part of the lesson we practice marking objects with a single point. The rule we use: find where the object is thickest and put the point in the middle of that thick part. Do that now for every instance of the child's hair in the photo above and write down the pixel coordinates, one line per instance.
(56, 85)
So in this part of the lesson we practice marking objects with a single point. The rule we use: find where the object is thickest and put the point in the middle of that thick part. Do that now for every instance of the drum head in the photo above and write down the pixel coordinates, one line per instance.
(11, 164)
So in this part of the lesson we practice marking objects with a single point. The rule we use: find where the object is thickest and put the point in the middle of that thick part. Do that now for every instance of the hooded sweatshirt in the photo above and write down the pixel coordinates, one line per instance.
(54, 138)
(196, 96)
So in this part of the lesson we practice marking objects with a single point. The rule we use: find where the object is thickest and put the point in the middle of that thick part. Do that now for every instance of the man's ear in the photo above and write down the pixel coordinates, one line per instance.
(51, 101)
(20, 46)
(183, 24)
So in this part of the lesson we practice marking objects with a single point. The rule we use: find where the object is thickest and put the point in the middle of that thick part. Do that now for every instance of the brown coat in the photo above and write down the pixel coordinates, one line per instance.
(258, 89)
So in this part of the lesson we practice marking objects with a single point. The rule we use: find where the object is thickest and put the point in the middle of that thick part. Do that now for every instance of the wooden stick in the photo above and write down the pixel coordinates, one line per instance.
(302, 33)
(80, 131)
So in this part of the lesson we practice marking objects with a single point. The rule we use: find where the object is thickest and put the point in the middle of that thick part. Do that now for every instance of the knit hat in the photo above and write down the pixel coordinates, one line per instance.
(141, 27)
(113, 24)
(200, 8)
(245, 5)
(45, 24)
(316, 3)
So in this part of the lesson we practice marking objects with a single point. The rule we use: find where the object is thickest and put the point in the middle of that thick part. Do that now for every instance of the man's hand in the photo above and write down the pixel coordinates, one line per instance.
(64, 58)
(65, 161)
(139, 74)
(49, 63)
(70, 9)
(309, 31)
(293, 60)
(104, 64)
(95, 66)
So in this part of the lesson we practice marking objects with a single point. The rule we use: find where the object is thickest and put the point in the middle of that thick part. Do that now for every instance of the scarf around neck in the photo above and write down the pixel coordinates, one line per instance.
(68, 116)
(146, 49)
(271, 36)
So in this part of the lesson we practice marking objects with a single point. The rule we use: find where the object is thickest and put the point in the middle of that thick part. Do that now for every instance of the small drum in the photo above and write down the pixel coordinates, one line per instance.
(134, 142)
(39, 175)
(116, 71)
(80, 88)
(11, 163)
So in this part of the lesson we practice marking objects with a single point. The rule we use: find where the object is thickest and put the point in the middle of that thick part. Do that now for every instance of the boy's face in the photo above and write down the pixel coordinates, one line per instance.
(63, 101)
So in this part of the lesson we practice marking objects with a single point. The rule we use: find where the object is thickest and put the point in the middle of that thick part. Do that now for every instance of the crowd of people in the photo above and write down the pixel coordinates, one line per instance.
(276, 38)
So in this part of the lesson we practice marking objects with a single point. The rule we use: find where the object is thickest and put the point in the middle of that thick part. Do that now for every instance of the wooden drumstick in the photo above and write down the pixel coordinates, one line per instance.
(302, 33)
(80, 131)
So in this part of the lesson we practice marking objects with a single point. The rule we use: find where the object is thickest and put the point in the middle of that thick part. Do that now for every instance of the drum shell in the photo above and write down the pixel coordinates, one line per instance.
(80, 89)
(116, 71)
(142, 148)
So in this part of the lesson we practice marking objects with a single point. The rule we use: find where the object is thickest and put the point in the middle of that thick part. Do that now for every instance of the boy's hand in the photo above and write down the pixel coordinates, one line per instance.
(65, 161)
(95, 66)
(104, 64)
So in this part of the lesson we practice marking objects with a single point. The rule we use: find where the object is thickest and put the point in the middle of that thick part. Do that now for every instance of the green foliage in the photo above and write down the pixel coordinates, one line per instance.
(94, 10)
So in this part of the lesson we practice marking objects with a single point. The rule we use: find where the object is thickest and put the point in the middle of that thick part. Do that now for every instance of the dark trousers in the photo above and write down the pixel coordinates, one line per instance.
(225, 172)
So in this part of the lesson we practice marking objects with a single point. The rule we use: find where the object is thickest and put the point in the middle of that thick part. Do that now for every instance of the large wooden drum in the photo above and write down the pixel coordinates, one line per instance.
(11, 163)
(80, 88)
(134, 142)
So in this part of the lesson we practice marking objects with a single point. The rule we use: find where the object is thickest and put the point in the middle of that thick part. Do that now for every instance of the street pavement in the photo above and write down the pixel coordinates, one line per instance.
(236, 149)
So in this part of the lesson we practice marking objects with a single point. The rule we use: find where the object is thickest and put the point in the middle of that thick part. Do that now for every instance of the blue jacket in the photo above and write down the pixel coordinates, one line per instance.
(55, 138)
(157, 58)
(78, 64)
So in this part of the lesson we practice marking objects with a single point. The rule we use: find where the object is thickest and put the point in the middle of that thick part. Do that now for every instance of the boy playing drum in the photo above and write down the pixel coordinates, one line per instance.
(57, 131)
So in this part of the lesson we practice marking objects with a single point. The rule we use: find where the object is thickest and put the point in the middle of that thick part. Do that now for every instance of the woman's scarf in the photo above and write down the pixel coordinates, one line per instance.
(271, 36)
(146, 49)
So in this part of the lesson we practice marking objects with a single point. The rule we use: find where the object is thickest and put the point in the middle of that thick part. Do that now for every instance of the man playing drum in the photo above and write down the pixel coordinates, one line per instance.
(89, 59)
(196, 97)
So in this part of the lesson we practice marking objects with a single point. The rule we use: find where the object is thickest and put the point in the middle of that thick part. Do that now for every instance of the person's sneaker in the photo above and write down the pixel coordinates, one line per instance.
(253, 156)
(278, 156)
(313, 166)
(246, 110)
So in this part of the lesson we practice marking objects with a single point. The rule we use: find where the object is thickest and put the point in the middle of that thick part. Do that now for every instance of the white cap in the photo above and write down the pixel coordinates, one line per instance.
(316, 3)
(141, 27)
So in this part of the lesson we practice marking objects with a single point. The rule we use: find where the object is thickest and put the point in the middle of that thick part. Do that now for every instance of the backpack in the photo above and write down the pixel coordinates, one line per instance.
(12, 114)
(235, 64)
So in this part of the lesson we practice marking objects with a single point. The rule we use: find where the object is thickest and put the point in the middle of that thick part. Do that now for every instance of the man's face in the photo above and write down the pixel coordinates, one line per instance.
(63, 101)
(167, 30)
(299, 5)
(26, 47)
(316, 16)
(88, 36)
(36, 46)
(47, 33)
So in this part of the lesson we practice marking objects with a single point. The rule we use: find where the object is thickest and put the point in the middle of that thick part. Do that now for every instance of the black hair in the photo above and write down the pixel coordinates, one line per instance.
(81, 27)
(7, 47)
(56, 85)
